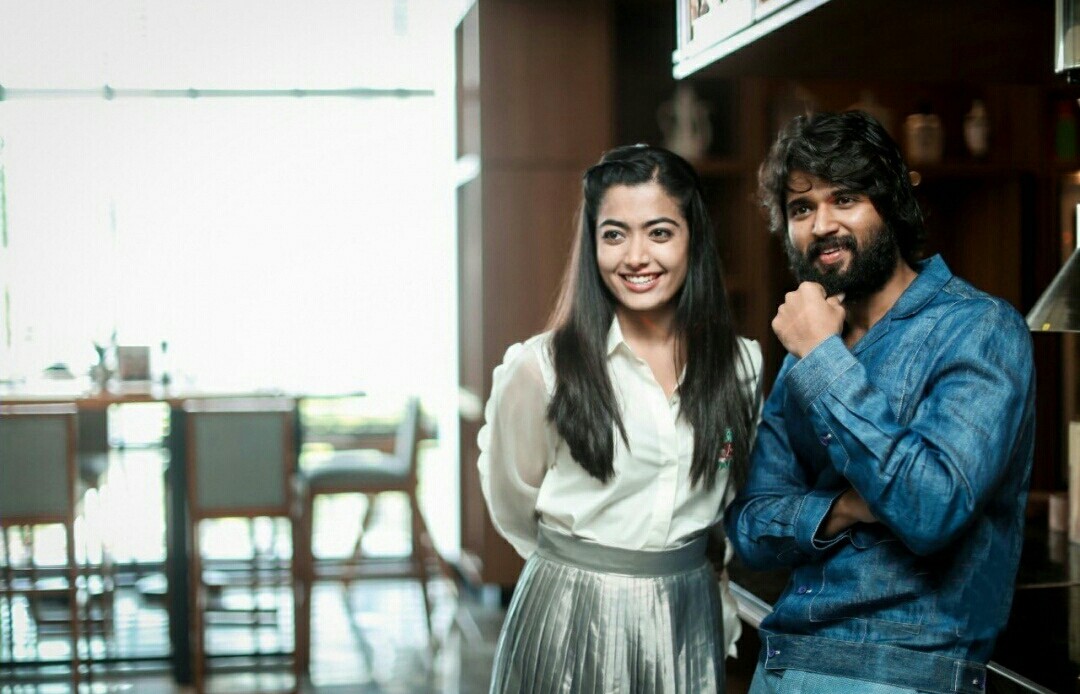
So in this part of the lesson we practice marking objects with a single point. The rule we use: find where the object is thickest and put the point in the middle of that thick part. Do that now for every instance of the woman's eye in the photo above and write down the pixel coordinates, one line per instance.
(610, 235)
(661, 233)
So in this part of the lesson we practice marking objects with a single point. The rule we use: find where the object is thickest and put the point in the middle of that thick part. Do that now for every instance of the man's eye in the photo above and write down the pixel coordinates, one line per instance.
(798, 211)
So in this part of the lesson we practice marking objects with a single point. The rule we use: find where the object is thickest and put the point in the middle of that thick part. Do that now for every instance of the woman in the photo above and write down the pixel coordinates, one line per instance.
(609, 445)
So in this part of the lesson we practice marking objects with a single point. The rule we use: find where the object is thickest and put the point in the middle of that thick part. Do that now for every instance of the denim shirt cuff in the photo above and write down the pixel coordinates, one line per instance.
(812, 374)
(812, 514)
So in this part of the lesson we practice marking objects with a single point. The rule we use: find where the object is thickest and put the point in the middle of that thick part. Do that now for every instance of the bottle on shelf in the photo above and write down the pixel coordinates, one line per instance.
(977, 130)
(924, 138)
(868, 103)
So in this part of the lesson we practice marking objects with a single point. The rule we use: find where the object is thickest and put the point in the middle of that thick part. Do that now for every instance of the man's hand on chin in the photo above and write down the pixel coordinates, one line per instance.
(807, 318)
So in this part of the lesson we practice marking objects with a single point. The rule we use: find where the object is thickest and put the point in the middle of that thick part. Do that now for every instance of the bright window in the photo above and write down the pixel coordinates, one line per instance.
(272, 240)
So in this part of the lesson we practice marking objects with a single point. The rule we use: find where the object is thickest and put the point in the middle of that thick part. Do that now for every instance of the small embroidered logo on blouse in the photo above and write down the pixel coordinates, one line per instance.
(727, 451)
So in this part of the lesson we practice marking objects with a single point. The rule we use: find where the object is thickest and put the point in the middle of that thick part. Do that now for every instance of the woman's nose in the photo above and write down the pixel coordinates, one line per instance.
(637, 252)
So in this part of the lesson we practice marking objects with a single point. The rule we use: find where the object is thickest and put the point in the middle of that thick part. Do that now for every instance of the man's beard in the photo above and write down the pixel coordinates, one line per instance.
(868, 271)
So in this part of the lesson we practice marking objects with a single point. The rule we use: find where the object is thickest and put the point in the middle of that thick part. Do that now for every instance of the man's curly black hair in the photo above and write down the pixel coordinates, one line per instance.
(852, 151)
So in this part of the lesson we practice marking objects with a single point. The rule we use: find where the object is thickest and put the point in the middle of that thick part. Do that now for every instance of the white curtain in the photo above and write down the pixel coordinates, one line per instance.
(272, 242)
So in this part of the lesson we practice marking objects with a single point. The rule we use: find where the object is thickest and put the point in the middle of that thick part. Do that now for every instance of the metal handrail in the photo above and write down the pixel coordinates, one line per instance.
(753, 609)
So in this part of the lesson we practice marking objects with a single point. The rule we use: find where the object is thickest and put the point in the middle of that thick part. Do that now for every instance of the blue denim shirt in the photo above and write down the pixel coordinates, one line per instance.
(930, 417)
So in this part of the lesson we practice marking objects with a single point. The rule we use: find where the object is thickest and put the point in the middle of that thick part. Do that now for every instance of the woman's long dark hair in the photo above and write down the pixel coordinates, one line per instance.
(713, 398)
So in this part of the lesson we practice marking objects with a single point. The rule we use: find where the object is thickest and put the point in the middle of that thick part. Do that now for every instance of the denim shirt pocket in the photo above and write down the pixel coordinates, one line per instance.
(877, 580)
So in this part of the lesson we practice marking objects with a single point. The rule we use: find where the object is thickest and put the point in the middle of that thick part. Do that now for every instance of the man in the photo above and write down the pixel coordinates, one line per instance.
(891, 465)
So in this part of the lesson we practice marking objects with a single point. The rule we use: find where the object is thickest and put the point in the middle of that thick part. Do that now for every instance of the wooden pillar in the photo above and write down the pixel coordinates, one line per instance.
(534, 110)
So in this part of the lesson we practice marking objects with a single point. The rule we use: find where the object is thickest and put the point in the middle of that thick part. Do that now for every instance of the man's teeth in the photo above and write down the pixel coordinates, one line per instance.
(640, 279)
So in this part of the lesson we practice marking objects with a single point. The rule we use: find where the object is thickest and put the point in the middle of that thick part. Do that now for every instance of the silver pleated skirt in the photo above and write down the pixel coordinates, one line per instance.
(589, 618)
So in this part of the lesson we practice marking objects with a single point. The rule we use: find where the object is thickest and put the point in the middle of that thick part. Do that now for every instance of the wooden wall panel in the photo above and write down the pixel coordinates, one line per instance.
(532, 217)
(546, 81)
(470, 286)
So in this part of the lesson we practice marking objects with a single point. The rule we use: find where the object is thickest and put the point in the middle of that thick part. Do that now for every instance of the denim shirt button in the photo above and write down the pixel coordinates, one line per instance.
(825, 439)
(801, 590)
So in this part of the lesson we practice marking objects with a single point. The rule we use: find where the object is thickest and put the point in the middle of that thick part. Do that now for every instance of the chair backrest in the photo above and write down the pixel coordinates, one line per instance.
(37, 464)
(408, 434)
(240, 457)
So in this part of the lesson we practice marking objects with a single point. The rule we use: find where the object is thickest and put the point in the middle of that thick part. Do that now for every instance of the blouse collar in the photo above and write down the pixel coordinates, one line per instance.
(615, 337)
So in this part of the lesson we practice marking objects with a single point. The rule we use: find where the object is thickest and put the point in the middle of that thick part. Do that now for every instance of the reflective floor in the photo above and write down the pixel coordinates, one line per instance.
(369, 638)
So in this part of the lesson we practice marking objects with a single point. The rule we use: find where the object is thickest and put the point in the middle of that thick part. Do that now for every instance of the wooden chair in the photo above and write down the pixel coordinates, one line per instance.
(370, 473)
(39, 486)
(241, 459)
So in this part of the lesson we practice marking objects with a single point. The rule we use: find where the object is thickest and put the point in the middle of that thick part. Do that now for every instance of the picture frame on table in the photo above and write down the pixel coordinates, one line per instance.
(133, 363)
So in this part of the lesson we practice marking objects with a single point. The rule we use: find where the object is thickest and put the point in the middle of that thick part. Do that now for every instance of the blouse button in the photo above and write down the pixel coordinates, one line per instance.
(826, 439)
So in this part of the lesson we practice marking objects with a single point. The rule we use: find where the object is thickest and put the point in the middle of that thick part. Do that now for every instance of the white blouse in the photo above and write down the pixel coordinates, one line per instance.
(528, 475)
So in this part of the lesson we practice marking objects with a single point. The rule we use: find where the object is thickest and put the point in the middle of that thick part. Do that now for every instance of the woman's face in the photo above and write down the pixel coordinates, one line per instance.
(642, 247)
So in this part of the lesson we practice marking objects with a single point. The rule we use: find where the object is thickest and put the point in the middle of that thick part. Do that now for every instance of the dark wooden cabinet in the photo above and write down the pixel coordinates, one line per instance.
(996, 219)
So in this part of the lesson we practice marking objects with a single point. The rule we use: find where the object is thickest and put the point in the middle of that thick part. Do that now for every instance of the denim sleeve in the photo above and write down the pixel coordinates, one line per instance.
(926, 479)
(777, 513)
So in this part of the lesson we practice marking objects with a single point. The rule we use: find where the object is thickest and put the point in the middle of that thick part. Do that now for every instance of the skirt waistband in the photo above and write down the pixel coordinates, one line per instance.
(587, 554)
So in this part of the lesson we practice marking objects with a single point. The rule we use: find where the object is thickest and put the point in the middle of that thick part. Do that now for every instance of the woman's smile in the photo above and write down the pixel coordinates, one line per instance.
(642, 282)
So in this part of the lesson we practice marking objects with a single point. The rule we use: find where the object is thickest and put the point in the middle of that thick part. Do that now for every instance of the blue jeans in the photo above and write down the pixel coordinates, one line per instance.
(802, 682)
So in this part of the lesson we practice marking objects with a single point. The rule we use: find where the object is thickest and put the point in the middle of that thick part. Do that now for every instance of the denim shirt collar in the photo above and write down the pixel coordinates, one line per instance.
(933, 274)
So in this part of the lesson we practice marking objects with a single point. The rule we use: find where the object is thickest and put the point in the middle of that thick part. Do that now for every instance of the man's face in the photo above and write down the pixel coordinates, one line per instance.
(836, 238)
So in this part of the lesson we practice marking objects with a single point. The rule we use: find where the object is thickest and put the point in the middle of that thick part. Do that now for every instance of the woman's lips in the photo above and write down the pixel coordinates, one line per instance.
(640, 283)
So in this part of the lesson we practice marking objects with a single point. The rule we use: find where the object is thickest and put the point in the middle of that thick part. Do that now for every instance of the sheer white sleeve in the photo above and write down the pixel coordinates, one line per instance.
(750, 372)
(517, 446)
(732, 623)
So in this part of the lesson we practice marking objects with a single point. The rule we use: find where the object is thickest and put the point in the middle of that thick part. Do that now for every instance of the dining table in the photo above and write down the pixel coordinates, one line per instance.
(93, 403)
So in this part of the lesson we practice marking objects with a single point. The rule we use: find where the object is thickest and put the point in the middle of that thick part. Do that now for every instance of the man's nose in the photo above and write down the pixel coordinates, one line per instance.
(825, 221)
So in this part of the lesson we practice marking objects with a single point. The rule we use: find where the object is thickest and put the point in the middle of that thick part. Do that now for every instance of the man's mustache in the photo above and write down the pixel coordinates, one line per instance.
(820, 246)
